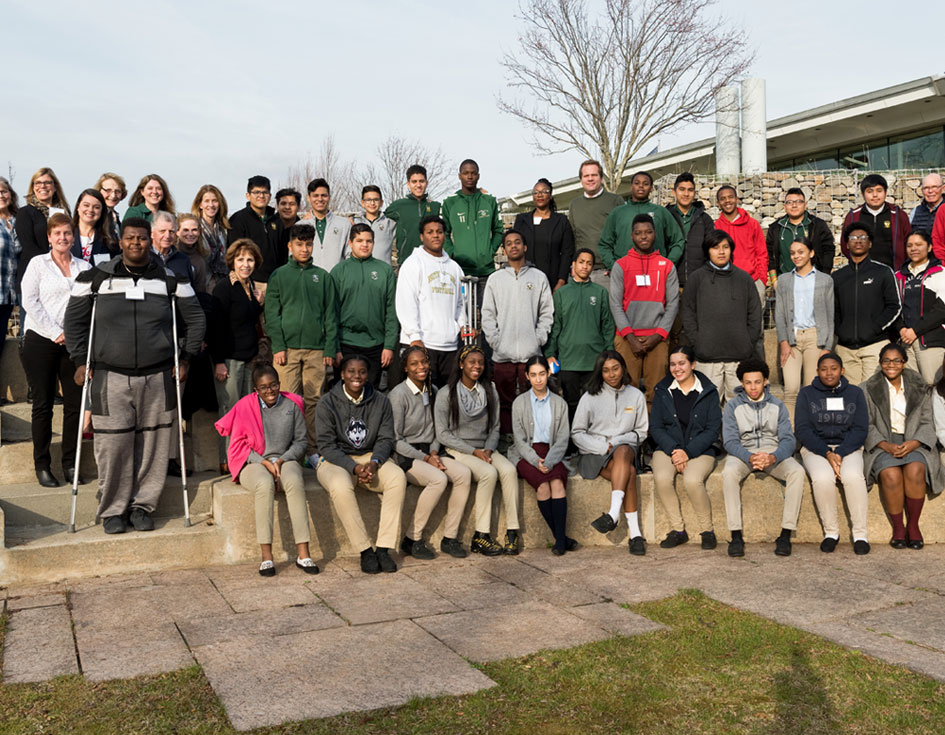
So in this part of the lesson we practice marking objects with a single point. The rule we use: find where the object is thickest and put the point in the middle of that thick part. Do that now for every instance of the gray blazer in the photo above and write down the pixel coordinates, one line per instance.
(919, 423)
(823, 309)
(523, 430)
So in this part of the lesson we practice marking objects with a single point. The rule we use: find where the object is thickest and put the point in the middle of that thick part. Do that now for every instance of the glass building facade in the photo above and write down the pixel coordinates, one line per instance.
(920, 149)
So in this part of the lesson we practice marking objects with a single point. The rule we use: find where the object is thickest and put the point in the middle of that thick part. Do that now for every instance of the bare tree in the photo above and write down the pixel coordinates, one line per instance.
(338, 171)
(395, 155)
(607, 86)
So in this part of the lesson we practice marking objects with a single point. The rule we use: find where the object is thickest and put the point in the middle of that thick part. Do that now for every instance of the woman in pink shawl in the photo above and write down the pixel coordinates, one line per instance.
(267, 440)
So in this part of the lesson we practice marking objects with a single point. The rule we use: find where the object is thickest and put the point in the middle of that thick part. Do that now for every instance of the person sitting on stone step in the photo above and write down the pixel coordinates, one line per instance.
(540, 432)
(757, 434)
(418, 454)
(267, 441)
(609, 425)
(467, 425)
(355, 428)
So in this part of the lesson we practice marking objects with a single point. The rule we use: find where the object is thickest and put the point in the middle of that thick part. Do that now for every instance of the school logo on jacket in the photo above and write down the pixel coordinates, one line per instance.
(314, 278)
(356, 432)
(887, 223)
(593, 301)
(335, 230)
(272, 225)
(373, 275)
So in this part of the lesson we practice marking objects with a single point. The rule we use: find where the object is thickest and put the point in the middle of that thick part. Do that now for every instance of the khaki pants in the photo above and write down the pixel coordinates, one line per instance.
(433, 482)
(651, 367)
(486, 475)
(304, 373)
(927, 361)
(858, 365)
(788, 471)
(722, 375)
(803, 361)
(823, 482)
(257, 480)
(694, 477)
(389, 481)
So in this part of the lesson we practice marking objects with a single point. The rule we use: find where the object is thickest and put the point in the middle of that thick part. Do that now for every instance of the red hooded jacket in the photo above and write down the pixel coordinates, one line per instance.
(751, 252)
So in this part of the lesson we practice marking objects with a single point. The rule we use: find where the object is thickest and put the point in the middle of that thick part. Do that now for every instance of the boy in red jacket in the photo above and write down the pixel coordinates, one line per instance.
(751, 252)
(644, 300)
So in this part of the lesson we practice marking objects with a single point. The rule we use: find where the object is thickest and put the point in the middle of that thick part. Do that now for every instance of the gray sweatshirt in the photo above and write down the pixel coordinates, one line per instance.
(517, 313)
(611, 417)
(384, 230)
(473, 432)
(413, 421)
(284, 430)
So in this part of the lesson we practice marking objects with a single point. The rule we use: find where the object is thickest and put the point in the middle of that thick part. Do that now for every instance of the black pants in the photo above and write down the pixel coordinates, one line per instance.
(572, 385)
(442, 365)
(373, 355)
(47, 364)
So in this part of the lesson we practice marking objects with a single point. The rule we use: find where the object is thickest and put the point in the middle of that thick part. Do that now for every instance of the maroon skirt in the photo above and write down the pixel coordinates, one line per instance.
(533, 476)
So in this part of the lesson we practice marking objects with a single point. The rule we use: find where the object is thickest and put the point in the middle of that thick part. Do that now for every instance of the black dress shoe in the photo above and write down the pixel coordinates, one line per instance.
(174, 468)
(915, 543)
(898, 543)
(47, 479)
(69, 474)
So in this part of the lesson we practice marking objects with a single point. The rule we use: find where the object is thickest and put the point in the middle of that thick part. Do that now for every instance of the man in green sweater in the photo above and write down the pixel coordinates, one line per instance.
(365, 290)
(588, 213)
(408, 211)
(582, 329)
(300, 320)
(473, 225)
(615, 239)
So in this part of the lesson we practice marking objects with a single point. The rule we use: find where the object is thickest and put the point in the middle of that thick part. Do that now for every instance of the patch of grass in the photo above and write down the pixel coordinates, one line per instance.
(714, 670)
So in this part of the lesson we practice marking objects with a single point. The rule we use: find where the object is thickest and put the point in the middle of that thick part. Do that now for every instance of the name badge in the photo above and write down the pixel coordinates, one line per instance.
(135, 293)
(643, 280)
(834, 404)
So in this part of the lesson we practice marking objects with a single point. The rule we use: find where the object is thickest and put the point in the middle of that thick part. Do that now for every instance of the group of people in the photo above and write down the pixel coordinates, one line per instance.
(301, 320)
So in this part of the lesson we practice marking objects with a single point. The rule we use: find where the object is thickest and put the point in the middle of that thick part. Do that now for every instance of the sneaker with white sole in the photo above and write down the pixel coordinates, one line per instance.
(307, 565)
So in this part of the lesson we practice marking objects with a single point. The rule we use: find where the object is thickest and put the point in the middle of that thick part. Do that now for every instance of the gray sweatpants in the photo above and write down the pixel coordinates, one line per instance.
(132, 418)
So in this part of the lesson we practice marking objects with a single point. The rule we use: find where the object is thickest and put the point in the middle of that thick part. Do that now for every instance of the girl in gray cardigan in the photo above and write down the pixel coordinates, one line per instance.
(417, 453)
(803, 314)
(540, 432)
(466, 413)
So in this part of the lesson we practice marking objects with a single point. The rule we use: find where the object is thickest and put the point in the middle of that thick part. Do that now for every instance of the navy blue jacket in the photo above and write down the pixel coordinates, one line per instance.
(818, 428)
(705, 423)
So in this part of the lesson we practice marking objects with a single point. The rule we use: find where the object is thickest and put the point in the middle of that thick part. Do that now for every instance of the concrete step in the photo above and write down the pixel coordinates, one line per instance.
(50, 553)
(13, 385)
(29, 504)
(16, 462)
(16, 422)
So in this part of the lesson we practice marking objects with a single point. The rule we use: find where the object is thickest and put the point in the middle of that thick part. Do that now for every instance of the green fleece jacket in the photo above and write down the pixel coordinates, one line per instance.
(366, 314)
(615, 239)
(300, 308)
(473, 231)
(583, 326)
(407, 213)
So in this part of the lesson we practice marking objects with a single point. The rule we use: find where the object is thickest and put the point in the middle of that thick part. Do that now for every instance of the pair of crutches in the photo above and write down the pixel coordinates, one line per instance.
(470, 292)
(180, 414)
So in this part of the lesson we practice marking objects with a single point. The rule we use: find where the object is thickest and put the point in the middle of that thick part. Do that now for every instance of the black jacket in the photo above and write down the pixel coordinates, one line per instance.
(345, 428)
(820, 235)
(866, 303)
(705, 422)
(556, 261)
(133, 336)
(101, 253)
(700, 228)
(721, 314)
(232, 332)
(31, 232)
(266, 234)
(819, 428)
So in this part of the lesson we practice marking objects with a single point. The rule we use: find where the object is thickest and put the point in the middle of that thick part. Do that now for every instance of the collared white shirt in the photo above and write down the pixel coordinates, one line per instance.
(351, 398)
(696, 386)
(414, 390)
(897, 407)
(45, 294)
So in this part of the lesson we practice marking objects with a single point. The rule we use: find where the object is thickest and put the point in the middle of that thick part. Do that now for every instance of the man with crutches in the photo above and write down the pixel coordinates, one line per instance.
(138, 307)
(430, 303)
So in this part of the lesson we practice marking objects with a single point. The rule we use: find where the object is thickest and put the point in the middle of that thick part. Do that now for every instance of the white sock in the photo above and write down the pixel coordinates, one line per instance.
(834, 536)
(616, 501)
(634, 524)
(860, 538)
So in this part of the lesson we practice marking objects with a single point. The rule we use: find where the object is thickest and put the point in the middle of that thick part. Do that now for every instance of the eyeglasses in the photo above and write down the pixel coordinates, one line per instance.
(371, 201)
(44, 184)
(793, 202)
(894, 361)
(268, 388)
(541, 192)
(858, 238)
(110, 191)
(260, 193)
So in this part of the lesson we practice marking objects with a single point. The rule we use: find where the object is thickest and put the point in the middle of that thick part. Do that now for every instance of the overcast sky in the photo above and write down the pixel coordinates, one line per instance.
(216, 91)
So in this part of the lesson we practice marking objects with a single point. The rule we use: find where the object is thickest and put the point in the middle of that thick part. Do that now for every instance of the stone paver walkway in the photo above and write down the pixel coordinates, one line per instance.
(341, 641)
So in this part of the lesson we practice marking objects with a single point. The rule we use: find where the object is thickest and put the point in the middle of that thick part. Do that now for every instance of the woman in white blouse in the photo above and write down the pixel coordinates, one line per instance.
(45, 293)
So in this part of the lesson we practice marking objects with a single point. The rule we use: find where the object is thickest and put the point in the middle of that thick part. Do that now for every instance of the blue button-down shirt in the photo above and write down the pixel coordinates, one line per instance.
(541, 415)
(804, 300)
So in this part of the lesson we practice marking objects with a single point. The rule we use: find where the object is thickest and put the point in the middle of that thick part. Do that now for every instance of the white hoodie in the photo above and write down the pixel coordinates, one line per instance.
(430, 301)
